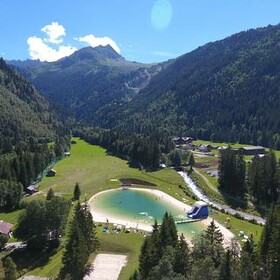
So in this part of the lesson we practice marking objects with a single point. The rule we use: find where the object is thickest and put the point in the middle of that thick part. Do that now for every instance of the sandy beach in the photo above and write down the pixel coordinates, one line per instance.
(103, 217)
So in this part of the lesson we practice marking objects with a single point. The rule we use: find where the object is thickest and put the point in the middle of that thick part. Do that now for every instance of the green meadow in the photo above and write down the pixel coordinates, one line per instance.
(95, 171)
(233, 145)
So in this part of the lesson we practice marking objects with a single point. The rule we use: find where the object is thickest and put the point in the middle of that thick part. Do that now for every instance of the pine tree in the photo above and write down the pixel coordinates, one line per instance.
(182, 257)
(4, 238)
(225, 267)
(57, 210)
(249, 248)
(77, 192)
(204, 270)
(240, 175)
(10, 269)
(246, 270)
(50, 194)
(214, 238)
(213, 234)
(232, 171)
(155, 245)
(266, 234)
(23, 177)
(168, 231)
(81, 243)
(32, 225)
(38, 163)
(164, 268)
(264, 179)
(191, 161)
(274, 245)
(144, 259)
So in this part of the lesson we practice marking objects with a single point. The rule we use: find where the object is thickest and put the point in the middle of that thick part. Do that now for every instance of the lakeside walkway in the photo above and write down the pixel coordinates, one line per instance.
(199, 193)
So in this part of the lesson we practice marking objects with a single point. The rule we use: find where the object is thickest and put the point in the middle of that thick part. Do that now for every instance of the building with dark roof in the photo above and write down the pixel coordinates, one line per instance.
(253, 150)
(51, 173)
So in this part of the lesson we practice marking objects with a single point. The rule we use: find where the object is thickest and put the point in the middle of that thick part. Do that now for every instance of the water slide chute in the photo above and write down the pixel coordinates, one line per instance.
(198, 211)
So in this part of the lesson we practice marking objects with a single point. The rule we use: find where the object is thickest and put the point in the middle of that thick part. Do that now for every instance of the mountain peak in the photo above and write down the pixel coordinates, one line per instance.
(97, 53)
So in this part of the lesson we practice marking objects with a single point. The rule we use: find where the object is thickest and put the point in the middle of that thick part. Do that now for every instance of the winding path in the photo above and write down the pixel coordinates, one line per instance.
(199, 193)
(206, 181)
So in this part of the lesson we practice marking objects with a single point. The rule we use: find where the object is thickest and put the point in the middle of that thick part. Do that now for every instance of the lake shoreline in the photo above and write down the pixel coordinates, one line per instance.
(103, 217)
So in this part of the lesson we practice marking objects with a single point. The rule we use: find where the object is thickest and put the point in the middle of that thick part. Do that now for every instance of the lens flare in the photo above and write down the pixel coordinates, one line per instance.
(161, 14)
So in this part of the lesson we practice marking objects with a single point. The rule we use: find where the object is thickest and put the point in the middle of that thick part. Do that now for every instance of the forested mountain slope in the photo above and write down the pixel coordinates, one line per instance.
(89, 81)
(226, 90)
(23, 112)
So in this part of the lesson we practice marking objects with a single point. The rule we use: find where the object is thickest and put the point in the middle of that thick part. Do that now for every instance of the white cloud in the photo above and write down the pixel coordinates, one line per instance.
(41, 48)
(38, 49)
(54, 31)
(99, 41)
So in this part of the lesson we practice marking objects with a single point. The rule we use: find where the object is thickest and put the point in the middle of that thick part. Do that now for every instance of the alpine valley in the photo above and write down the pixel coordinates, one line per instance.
(224, 91)
(202, 129)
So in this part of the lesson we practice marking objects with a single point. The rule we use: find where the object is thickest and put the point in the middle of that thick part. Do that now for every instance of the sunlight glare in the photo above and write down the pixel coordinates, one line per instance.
(161, 14)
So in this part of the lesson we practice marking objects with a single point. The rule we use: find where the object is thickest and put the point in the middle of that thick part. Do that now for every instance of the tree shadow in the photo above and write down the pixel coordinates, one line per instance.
(260, 209)
(27, 260)
(235, 201)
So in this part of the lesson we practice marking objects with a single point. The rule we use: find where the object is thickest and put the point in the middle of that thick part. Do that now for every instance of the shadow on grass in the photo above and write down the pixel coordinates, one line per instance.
(235, 201)
(27, 260)
(261, 209)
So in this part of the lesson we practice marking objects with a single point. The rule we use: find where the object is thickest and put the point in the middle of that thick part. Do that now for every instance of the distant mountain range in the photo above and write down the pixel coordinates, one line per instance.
(228, 90)
(89, 81)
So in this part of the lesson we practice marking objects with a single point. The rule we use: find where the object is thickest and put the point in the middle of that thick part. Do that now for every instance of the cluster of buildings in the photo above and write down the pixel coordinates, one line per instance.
(187, 143)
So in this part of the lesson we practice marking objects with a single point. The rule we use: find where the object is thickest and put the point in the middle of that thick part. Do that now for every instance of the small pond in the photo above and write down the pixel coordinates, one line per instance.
(142, 207)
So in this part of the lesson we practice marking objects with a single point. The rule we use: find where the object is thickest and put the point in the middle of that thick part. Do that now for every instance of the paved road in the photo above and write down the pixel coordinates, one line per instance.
(199, 193)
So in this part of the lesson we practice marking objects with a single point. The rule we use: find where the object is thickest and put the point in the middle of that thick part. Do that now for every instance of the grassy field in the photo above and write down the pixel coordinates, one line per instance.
(239, 225)
(277, 153)
(123, 243)
(10, 217)
(233, 145)
(94, 170)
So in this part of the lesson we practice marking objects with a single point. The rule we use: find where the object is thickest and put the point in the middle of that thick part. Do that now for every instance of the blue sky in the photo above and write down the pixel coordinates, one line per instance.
(141, 30)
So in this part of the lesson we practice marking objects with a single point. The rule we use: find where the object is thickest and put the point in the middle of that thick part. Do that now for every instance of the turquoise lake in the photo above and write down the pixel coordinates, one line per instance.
(142, 207)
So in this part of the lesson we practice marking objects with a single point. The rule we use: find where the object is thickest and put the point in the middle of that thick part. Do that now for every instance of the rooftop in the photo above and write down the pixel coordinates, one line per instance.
(253, 148)
(5, 227)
